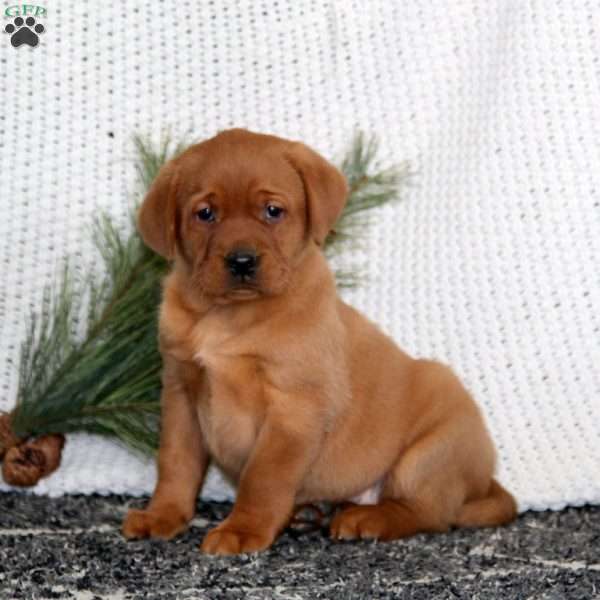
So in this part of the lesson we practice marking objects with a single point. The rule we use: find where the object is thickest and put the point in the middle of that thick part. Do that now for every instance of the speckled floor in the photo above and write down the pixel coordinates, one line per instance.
(71, 548)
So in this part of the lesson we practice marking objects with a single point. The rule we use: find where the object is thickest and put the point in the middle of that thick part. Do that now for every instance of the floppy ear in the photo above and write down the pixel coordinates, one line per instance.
(157, 217)
(325, 188)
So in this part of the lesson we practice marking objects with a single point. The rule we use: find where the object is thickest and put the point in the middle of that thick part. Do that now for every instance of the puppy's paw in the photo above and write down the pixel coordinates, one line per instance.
(361, 522)
(227, 539)
(162, 524)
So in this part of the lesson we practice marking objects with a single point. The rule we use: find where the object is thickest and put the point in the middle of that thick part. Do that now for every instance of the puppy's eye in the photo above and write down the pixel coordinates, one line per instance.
(206, 214)
(273, 212)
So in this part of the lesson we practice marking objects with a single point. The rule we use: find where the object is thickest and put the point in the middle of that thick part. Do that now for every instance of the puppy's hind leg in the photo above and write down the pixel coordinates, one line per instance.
(417, 497)
(443, 478)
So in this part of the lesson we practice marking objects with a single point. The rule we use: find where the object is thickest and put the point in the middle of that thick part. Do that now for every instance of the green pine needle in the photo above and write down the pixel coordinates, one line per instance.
(370, 188)
(106, 380)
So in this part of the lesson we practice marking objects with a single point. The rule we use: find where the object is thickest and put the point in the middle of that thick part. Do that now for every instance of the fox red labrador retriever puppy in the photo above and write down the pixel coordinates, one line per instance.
(294, 394)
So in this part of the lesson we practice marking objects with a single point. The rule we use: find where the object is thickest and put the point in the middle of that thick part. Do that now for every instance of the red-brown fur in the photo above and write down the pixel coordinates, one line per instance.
(294, 394)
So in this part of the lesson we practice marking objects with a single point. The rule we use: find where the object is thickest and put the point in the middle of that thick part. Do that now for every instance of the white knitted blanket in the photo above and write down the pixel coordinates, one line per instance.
(491, 263)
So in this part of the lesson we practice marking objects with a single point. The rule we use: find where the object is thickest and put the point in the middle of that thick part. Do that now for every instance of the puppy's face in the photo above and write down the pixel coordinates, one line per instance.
(239, 209)
(243, 217)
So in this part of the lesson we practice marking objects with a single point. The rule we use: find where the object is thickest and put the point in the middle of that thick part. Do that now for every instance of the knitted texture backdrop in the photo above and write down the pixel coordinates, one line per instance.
(491, 261)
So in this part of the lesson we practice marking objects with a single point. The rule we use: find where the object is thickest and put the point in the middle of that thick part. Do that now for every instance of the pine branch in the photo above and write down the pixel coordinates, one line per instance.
(107, 380)
(370, 188)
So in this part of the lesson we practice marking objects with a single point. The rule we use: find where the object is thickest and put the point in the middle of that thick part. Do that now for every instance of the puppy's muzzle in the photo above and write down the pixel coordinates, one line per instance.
(242, 264)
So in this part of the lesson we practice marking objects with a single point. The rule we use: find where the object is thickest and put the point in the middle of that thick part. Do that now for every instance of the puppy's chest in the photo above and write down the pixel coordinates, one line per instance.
(230, 415)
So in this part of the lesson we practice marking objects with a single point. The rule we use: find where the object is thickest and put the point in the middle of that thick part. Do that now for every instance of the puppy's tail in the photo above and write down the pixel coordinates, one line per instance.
(497, 508)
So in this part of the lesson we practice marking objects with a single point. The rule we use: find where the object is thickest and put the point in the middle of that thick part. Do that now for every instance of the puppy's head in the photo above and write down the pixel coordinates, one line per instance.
(239, 209)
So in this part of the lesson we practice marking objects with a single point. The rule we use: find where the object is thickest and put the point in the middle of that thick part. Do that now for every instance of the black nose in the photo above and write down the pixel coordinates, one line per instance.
(242, 263)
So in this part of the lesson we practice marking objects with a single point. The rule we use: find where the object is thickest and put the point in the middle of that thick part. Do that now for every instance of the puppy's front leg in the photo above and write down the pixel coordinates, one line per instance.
(284, 451)
(182, 464)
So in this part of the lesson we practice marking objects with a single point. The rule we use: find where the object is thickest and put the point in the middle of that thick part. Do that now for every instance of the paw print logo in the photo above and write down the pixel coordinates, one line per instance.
(24, 32)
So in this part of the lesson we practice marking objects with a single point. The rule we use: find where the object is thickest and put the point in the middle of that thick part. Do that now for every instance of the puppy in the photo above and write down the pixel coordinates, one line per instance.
(290, 391)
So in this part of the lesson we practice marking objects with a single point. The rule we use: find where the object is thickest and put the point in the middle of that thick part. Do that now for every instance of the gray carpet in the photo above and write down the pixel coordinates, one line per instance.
(71, 548)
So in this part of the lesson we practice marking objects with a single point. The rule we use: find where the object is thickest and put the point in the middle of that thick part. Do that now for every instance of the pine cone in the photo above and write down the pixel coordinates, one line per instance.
(24, 465)
(7, 438)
